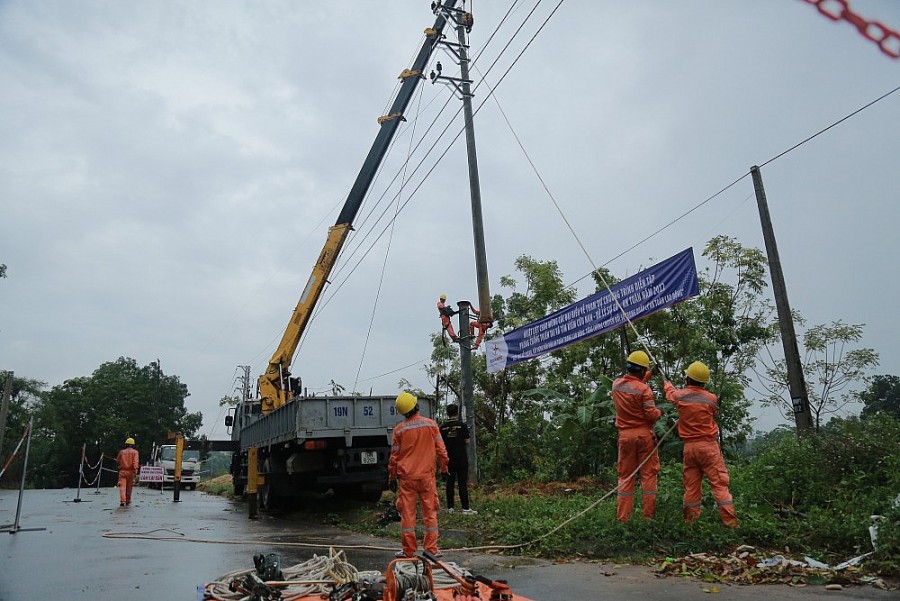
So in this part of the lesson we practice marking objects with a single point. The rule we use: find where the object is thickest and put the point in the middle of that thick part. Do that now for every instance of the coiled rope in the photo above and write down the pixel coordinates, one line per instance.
(319, 574)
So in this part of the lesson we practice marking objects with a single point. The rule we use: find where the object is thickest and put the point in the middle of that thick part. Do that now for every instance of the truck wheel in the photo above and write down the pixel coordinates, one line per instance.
(239, 486)
(267, 497)
(192, 486)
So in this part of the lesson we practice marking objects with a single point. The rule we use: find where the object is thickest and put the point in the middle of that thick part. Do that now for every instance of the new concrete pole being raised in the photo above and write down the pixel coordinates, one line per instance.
(796, 381)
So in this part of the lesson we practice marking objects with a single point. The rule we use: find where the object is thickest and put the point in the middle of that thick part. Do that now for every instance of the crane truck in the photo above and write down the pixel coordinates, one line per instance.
(286, 441)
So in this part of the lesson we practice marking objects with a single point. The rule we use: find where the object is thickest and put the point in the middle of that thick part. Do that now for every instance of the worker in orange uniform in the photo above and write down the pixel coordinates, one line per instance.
(635, 415)
(697, 428)
(128, 462)
(480, 326)
(417, 442)
(446, 313)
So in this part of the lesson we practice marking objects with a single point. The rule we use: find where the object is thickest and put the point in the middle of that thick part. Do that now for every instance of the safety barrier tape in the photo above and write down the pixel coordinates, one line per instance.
(13, 456)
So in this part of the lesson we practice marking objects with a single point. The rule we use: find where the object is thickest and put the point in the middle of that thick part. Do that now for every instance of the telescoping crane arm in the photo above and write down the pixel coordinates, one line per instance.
(273, 389)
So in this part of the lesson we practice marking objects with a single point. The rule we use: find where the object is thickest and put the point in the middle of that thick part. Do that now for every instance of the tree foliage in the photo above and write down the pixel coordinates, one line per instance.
(882, 396)
(830, 367)
(552, 417)
(120, 399)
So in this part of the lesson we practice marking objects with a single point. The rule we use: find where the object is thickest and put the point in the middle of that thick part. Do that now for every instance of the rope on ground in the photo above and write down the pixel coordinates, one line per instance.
(557, 528)
(184, 538)
(319, 575)
(580, 513)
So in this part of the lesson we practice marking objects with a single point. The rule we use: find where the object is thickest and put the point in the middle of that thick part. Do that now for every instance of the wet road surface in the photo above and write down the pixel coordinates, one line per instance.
(72, 559)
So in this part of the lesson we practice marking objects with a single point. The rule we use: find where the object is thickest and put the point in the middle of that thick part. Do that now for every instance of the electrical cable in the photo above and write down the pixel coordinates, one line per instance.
(387, 252)
(334, 291)
(822, 131)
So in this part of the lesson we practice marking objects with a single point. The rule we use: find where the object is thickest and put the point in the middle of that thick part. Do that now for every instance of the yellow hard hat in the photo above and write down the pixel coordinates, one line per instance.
(443, 297)
(405, 403)
(698, 372)
(639, 358)
(129, 440)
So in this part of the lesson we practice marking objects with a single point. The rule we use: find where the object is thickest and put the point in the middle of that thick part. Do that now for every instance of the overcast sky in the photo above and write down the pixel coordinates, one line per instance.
(168, 171)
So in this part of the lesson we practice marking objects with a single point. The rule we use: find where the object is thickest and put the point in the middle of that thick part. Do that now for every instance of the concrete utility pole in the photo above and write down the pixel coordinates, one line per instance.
(468, 386)
(796, 382)
(245, 381)
(4, 407)
(463, 21)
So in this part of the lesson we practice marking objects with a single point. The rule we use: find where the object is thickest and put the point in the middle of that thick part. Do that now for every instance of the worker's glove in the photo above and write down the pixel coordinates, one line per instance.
(392, 484)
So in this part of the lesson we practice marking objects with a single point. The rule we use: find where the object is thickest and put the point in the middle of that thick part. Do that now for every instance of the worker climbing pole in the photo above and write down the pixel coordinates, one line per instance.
(477, 328)
(445, 314)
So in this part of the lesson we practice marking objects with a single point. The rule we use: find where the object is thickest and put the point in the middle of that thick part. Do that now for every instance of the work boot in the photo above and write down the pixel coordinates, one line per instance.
(469, 512)
(121, 503)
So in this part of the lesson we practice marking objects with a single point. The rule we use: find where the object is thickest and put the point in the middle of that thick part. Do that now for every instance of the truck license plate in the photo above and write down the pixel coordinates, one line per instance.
(368, 457)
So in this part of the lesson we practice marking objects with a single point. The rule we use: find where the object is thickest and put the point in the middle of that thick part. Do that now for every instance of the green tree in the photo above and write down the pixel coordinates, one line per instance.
(120, 399)
(2, 270)
(724, 327)
(882, 396)
(830, 366)
(24, 398)
(229, 401)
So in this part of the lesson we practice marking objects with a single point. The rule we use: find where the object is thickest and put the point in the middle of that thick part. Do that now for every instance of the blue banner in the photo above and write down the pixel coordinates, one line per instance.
(644, 293)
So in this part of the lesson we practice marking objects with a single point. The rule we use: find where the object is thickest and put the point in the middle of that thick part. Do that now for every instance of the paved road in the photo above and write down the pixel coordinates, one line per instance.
(72, 559)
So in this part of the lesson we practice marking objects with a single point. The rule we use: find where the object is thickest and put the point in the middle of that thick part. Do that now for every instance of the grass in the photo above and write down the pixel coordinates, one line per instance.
(219, 486)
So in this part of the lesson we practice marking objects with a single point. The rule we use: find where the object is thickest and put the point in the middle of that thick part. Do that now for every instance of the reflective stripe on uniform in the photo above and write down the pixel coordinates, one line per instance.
(629, 388)
(412, 425)
(696, 398)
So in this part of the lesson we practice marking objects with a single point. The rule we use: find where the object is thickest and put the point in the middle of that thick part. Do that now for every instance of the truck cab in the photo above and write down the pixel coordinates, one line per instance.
(164, 456)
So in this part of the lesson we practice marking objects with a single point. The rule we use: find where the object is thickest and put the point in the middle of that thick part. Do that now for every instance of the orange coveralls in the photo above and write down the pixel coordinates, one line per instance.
(128, 467)
(480, 327)
(417, 441)
(635, 415)
(702, 455)
(446, 313)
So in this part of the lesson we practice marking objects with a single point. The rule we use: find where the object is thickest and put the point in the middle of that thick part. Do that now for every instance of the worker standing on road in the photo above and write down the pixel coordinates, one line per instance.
(446, 313)
(128, 462)
(455, 433)
(417, 442)
(635, 415)
(697, 428)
